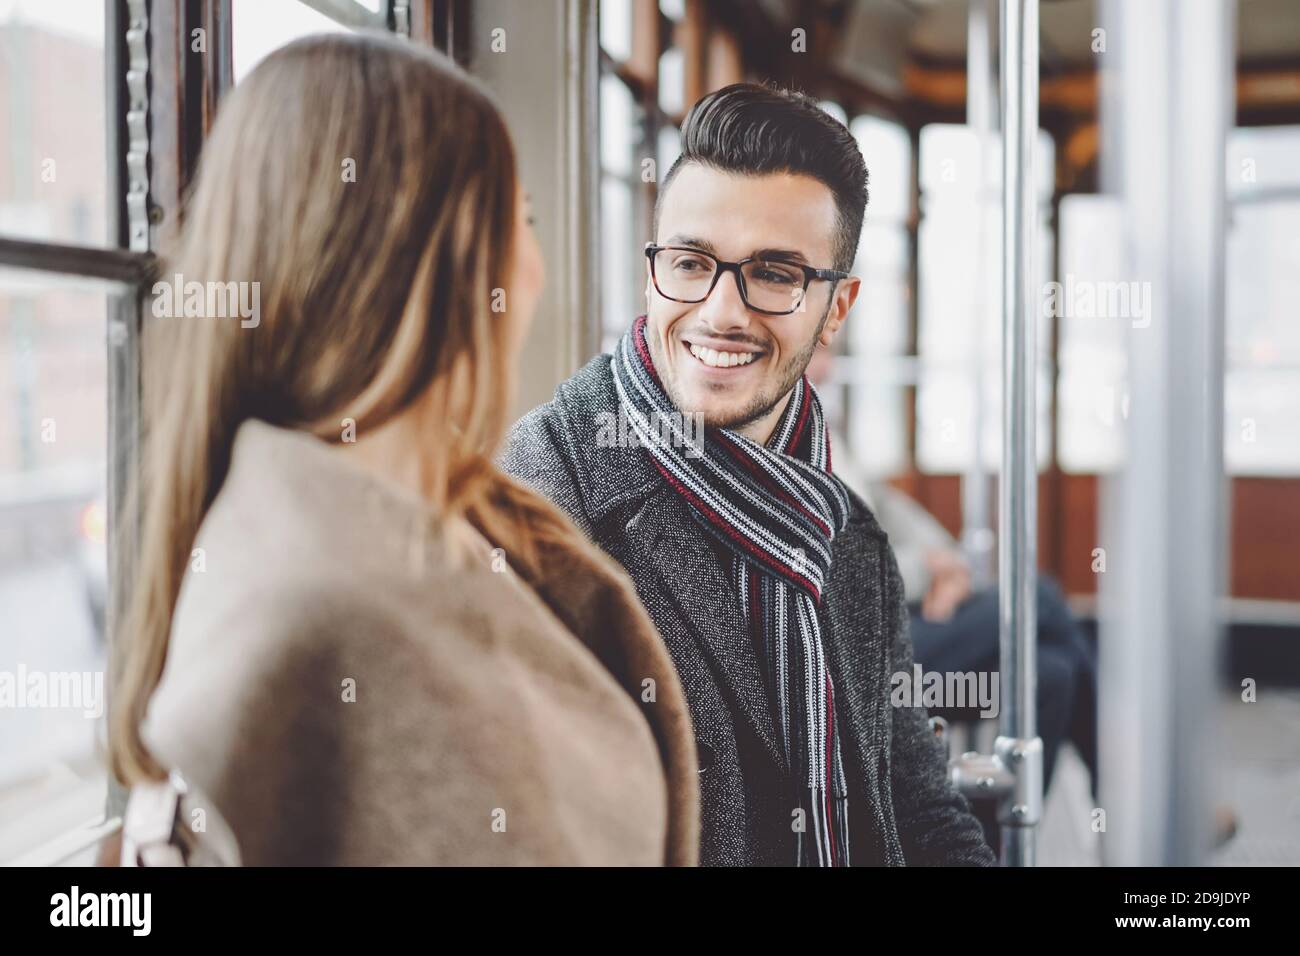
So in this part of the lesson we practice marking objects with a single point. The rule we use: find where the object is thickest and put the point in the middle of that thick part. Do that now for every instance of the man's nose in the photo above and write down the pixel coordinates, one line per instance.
(724, 310)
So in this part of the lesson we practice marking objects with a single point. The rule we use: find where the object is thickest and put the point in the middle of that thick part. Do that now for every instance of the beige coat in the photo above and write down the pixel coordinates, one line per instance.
(345, 695)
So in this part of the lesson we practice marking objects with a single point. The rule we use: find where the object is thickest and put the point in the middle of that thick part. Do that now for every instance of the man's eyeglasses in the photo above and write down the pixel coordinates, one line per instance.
(770, 286)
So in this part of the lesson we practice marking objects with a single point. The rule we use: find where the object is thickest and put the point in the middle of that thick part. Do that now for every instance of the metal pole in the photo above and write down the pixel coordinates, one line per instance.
(976, 531)
(1013, 773)
(1164, 513)
(1018, 745)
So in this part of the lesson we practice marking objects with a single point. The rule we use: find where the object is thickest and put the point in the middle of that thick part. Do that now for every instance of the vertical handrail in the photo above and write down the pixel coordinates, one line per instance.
(1013, 773)
(976, 522)
(1018, 745)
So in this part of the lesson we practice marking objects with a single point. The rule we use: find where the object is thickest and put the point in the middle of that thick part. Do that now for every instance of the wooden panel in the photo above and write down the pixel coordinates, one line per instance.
(724, 66)
(1265, 529)
(692, 35)
(1079, 534)
(1266, 538)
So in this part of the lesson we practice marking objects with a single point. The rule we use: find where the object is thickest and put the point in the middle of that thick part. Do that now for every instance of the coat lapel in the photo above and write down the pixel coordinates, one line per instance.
(672, 543)
(662, 537)
(857, 637)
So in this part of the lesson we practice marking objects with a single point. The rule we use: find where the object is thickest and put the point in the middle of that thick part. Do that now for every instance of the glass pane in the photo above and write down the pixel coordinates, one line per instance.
(672, 81)
(53, 569)
(876, 432)
(834, 109)
(877, 331)
(1092, 356)
(882, 251)
(260, 26)
(619, 132)
(669, 148)
(622, 276)
(888, 153)
(53, 150)
(616, 28)
(960, 301)
(1262, 339)
(1263, 158)
(1263, 284)
(1092, 401)
(950, 161)
(876, 338)
(945, 419)
(1262, 397)
(1261, 408)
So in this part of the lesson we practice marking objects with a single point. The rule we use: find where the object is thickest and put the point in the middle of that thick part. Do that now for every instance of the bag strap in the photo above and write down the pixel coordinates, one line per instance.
(155, 832)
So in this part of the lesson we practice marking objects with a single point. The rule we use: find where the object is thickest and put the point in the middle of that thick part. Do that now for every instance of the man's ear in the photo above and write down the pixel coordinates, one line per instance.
(846, 293)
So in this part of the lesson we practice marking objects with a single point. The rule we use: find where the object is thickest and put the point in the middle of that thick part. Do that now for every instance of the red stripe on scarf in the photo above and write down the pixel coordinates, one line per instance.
(803, 419)
(739, 456)
(722, 525)
(643, 350)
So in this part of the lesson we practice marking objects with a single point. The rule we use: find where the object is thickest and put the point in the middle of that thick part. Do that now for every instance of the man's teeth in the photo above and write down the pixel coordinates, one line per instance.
(722, 359)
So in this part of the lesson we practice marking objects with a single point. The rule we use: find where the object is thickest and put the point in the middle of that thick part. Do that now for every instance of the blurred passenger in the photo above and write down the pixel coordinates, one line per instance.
(348, 628)
(955, 629)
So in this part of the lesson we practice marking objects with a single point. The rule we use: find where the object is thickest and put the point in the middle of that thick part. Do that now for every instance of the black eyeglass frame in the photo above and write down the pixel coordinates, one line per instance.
(809, 274)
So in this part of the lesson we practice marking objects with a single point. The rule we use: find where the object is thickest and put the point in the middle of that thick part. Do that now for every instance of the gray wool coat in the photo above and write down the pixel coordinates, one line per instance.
(902, 808)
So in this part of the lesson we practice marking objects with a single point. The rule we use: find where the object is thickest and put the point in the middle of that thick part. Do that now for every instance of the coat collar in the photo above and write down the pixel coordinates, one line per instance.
(611, 474)
(614, 475)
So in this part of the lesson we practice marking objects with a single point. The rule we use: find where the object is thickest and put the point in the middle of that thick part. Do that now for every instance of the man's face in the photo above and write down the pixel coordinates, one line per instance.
(780, 216)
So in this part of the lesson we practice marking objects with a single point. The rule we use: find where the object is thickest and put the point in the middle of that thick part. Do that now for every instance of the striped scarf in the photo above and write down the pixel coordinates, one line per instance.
(776, 508)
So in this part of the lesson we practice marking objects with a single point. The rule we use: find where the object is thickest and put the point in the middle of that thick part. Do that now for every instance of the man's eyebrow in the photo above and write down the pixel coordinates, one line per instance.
(787, 255)
(694, 242)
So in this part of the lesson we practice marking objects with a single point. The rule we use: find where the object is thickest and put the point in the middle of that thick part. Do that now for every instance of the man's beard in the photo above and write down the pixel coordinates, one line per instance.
(787, 375)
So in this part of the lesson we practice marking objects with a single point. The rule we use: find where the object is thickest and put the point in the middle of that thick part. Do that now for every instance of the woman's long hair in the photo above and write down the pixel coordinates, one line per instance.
(368, 186)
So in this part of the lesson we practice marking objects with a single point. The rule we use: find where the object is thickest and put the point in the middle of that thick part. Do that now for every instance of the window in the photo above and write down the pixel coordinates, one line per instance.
(1262, 348)
(260, 26)
(959, 286)
(646, 86)
(620, 221)
(1091, 391)
(53, 178)
(637, 145)
(875, 366)
(70, 320)
(1262, 357)
(53, 559)
(54, 399)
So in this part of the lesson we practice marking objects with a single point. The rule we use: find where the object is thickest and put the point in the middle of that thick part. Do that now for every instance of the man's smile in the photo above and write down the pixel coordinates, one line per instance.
(720, 357)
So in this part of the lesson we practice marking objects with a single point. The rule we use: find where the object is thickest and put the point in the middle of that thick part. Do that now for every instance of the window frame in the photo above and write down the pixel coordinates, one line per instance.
(160, 106)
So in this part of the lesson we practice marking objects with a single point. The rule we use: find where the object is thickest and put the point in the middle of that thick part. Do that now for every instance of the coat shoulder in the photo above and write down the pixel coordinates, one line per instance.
(543, 447)
(576, 448)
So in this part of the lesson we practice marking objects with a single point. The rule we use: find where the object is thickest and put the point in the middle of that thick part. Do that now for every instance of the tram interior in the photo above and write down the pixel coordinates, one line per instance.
(595, 94)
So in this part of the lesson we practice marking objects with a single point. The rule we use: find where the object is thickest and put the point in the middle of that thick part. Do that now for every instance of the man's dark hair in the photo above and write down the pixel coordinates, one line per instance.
(757, 129)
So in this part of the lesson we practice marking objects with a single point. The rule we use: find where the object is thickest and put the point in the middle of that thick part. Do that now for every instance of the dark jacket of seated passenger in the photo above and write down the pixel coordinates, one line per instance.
(345, 694)
(902, 808)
